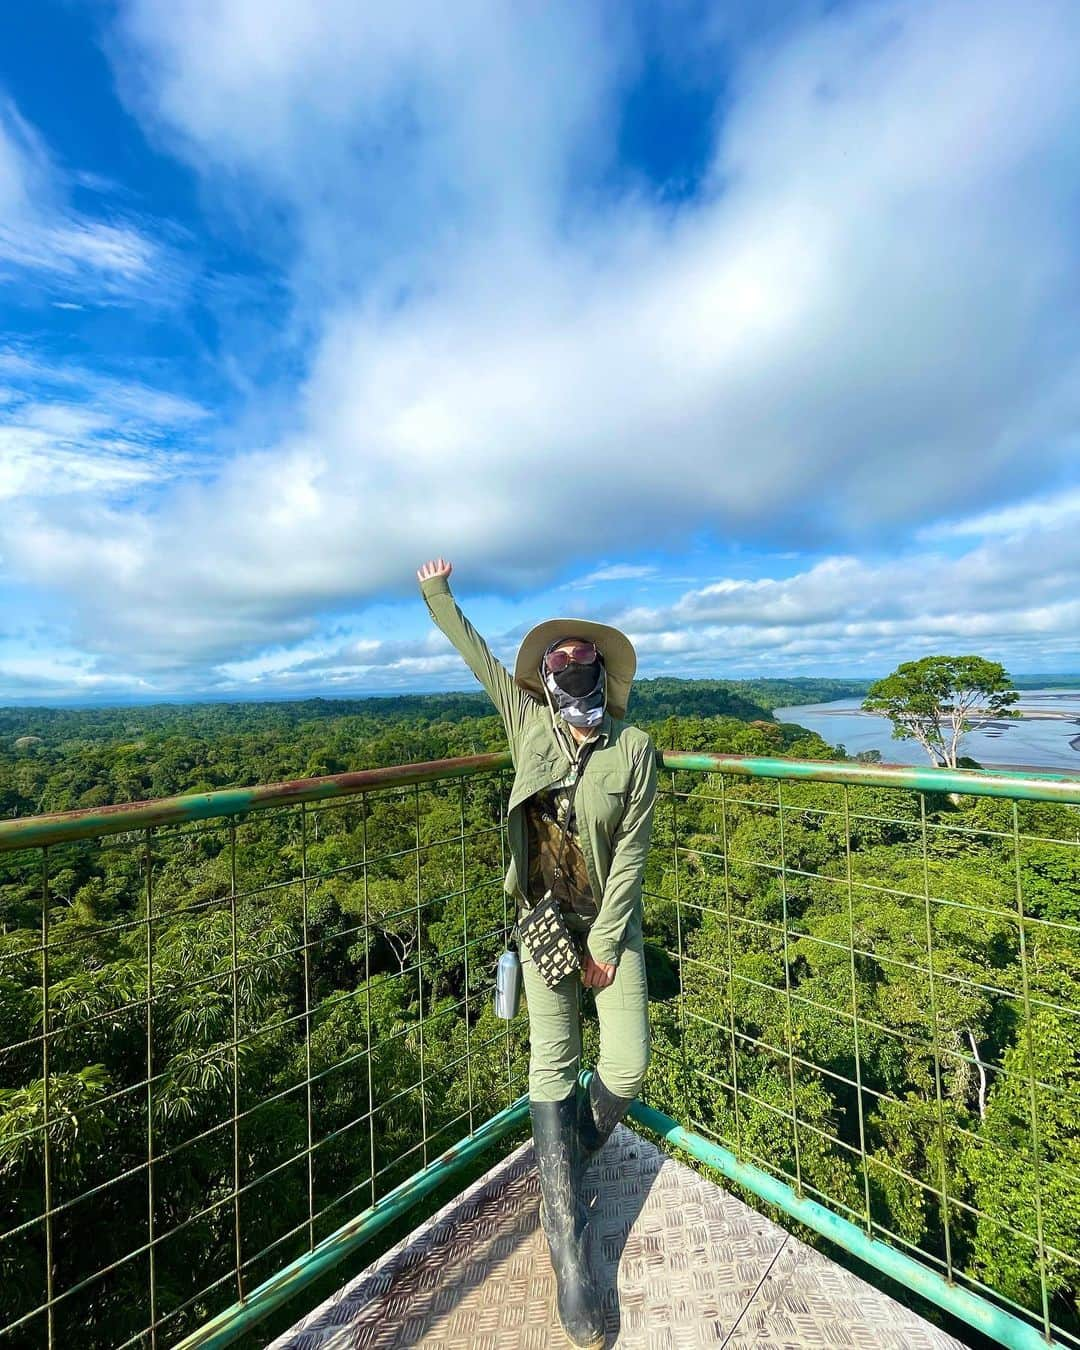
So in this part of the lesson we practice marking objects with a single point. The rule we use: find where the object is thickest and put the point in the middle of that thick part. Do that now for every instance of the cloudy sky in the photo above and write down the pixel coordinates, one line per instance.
(752, 328)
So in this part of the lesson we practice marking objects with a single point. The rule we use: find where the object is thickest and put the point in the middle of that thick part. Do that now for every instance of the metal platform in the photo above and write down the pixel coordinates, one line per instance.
(684, 1264)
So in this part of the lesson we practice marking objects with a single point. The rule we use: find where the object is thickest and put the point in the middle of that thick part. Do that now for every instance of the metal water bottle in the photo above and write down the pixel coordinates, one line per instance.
(508, 985)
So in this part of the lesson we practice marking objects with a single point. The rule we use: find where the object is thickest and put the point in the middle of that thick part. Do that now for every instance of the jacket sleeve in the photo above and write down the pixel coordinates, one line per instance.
(511, 701)
(630, 848)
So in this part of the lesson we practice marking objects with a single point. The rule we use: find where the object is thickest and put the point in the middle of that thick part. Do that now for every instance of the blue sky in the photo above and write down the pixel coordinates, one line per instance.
(753, 329)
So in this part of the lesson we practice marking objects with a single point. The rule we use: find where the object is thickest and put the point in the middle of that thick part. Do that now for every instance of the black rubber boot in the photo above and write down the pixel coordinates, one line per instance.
(599, 1112)
(555, 1137)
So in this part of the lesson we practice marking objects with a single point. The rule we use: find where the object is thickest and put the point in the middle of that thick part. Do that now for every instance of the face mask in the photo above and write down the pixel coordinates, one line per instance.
(577, 681)
(585, 710)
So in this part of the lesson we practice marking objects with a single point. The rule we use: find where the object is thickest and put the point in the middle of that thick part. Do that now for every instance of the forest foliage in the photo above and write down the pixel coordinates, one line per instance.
(879, 999)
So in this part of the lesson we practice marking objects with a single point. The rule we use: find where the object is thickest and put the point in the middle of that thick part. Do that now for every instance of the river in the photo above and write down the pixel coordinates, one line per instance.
(1046, 737)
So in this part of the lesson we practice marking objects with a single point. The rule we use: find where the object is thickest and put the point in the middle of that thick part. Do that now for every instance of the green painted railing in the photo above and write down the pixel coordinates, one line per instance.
(242, 1031)
(230, 1022)
(284, 1285)
(872, 1016)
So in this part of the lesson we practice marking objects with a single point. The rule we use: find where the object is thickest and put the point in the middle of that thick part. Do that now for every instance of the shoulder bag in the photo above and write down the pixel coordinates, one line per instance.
(553, 948)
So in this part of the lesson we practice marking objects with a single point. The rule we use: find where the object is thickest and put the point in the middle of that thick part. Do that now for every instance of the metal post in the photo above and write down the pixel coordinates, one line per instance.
(855, 1008)
(46, 1100)
(150, 1200)
(935, 1034)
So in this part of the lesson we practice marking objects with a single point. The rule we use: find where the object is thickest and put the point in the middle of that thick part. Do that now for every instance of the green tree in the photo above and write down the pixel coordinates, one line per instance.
(932, 701)
(1018, 1185)
(823, 962)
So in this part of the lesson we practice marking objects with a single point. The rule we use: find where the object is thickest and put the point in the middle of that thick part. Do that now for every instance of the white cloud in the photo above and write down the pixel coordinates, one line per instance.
(114, 252)
(607, 574)
(25, 174)
(616, 572)
(865, 322)
(32, 461)
(41, 233)
(30, 672)
(67, 431)
(842, 614)
(1000, 598)
(1041, 513)
(377, 124)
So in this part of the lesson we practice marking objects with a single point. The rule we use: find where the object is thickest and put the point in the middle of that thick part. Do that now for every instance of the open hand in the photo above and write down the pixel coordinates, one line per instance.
(595, 975)
(436, 567)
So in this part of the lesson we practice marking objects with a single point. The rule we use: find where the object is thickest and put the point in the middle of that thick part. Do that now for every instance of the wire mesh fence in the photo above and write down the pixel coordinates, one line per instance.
(222, 1038)
(230, 1028)
(874, 994)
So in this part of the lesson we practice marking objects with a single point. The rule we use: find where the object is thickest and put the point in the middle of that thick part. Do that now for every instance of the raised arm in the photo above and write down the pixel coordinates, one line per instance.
(511, 701)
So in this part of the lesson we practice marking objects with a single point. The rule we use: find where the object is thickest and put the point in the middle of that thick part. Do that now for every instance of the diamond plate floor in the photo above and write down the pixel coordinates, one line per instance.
(684, 1264)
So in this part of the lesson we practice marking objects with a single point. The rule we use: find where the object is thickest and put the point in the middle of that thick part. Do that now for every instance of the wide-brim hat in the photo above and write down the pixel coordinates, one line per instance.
(620, 659)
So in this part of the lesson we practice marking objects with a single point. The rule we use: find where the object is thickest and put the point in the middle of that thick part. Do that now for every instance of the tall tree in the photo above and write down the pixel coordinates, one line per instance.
(933, 700)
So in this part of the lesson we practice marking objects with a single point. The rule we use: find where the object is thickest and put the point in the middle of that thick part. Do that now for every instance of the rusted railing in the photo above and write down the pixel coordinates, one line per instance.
(241, 1028)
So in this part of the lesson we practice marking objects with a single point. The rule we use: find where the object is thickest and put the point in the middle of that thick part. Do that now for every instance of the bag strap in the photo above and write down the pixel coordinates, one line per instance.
(584, 759)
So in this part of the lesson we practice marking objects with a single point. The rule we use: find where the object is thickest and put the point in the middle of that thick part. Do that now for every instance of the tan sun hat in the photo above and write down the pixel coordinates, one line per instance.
(620, 659)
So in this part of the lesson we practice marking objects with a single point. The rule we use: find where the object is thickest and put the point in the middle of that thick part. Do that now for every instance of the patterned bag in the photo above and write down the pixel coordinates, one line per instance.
(550, 943)
(554, 949)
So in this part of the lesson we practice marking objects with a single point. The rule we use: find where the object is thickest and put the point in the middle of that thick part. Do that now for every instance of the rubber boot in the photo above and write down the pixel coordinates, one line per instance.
(555, 1137)
(599, 1112)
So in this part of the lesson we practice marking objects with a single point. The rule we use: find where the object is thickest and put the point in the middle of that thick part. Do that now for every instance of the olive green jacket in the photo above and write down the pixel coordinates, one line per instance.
(615, 801)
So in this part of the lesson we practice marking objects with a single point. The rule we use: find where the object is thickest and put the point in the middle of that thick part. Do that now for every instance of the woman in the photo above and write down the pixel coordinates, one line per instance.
(563, 709)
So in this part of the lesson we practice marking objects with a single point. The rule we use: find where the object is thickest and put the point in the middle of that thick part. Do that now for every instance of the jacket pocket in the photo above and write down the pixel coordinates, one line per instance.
(608, 793)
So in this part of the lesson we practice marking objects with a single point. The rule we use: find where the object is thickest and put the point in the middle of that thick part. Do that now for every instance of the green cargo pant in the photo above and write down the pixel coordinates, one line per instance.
(555, 1029)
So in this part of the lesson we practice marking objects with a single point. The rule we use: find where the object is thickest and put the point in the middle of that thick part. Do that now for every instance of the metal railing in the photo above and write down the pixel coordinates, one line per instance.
(876, 1018)
(230, 1022)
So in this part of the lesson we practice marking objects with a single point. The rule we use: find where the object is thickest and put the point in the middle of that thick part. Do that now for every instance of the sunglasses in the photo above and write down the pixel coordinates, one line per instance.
(582, 653)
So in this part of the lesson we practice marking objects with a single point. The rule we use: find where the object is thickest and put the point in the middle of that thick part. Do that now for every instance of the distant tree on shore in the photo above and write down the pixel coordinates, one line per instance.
(931, 701)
